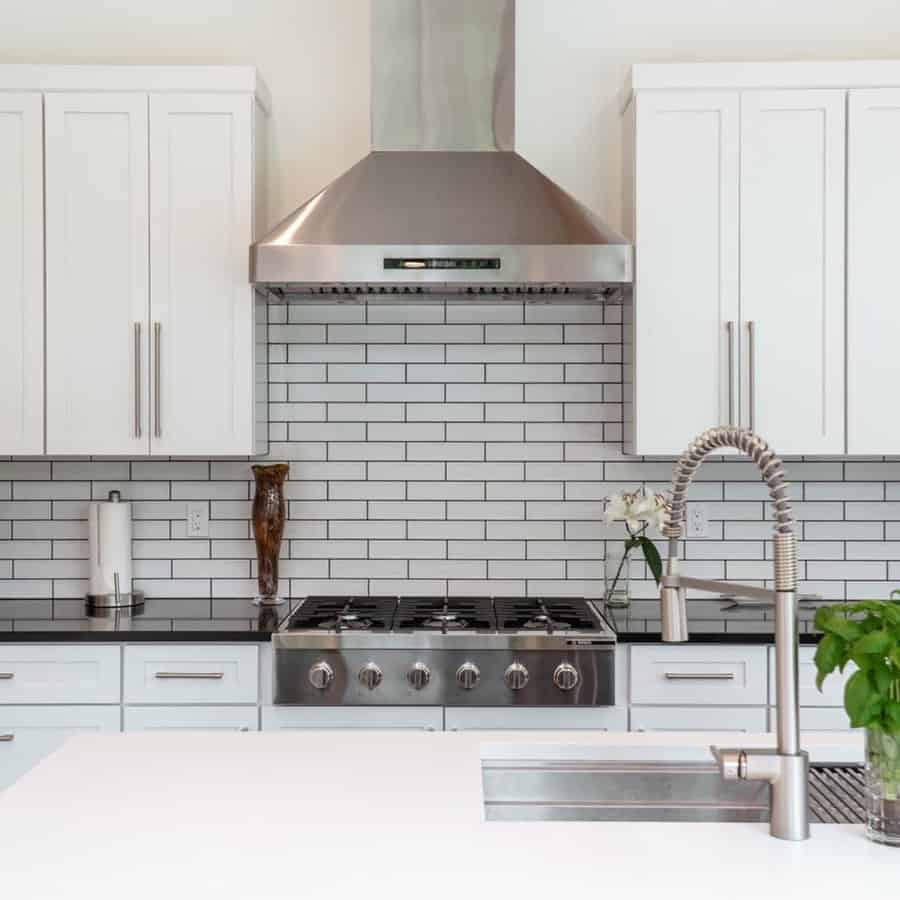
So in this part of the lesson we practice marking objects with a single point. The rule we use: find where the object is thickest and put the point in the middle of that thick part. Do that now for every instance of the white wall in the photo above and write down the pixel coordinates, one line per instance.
(313, 55)
(573, 55)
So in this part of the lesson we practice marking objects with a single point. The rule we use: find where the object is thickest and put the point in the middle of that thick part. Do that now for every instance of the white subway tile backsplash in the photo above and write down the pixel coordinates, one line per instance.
(445, 334)
(364, 334)
(445, 490)
(448, 568)
(405, 393)
(407, 550)
(405, 353)
(484, 393)
(454, 446)
(525, 490)
(486, 353)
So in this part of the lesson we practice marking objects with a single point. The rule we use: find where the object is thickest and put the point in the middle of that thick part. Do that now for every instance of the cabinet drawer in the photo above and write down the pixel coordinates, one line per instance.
(51, 673)
(208, 673)
(489, 718)
(702, 674)
(699, 718)
(817, 718)
(29, 733)
(413, 718)
(191, 718)
(832, 693)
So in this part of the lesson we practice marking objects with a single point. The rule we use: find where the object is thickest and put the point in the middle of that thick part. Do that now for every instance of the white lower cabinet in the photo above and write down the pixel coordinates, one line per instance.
(489, 718)
(699, 718)
(191, 718)
(60, 673)
(191, 673)
(701, 674)
(298, 718)
(29, 733)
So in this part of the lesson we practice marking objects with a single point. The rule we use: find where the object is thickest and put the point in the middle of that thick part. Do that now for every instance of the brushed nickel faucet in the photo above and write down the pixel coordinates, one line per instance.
(787, 767)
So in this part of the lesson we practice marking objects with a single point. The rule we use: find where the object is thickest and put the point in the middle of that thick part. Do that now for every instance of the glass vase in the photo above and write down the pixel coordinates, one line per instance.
(617, 577)
(268, 528)
(883, 786)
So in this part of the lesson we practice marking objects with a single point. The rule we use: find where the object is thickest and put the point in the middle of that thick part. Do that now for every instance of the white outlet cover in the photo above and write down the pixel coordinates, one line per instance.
(697, 520)
(197, 519)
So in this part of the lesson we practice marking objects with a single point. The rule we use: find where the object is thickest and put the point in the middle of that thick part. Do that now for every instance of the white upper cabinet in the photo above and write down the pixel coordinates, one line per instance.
(201, 305)
(127, 321)
(21, 275)
(873, 310)
(685, 347)
(792, 268)
(98, 279)
(740, 297)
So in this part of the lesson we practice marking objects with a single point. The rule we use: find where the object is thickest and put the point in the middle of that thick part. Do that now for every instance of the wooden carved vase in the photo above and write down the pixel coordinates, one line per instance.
(268, 528)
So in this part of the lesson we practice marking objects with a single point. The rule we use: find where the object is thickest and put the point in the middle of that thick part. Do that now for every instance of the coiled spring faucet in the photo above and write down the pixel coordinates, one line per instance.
(787, 767)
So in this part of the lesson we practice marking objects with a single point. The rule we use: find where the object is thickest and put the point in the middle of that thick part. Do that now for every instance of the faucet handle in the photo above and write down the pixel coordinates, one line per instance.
(732, 763)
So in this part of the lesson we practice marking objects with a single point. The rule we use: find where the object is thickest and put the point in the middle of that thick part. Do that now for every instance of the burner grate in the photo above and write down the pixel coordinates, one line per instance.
(549, 615)
(344, 614)
(445, 614)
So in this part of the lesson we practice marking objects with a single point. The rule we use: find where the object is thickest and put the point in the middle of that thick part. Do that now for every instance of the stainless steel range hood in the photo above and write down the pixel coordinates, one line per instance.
(442, 204)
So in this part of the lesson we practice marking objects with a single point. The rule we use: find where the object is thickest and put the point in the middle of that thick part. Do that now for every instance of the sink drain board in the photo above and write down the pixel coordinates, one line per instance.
(836, 794)
(655, 792)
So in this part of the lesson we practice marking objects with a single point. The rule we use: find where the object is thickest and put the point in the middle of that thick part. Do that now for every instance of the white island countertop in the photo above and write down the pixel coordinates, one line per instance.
(376, 815)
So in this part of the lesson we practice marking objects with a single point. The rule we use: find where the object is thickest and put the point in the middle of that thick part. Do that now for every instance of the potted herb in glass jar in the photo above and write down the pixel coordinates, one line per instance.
(867, 634)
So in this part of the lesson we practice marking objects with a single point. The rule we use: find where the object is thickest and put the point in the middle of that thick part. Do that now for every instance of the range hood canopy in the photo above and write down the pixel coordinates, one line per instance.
(442, 203)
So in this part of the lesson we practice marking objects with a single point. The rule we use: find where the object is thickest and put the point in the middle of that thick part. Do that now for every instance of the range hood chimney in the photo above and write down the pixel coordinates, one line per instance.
(442, 203)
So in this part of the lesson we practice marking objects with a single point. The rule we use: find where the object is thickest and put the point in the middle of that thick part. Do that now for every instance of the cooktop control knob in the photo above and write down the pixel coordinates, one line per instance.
(370, 676)
(566, 677)
(419, 675)
(321, 675)
(516, 676)
(468, 675)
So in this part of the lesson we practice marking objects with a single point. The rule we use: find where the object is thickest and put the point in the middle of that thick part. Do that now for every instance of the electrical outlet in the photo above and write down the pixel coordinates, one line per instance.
(697, 520)
(197, 517)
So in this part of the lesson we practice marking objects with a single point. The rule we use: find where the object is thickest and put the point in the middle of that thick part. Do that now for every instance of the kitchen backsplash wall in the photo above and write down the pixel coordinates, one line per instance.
(436, 447)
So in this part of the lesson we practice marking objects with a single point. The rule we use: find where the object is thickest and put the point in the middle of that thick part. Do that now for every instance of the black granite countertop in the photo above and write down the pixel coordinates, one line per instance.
(238, 620)
(232, 620)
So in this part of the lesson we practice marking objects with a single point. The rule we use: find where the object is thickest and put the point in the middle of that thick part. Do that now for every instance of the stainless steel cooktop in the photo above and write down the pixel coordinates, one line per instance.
(466, 651)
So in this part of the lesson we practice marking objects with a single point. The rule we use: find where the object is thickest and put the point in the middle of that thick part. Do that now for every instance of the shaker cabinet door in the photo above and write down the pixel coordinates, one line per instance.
(21, 275)
(873, 310)
(686, 251)
(201, 302)
(792, 268)
(97, 273)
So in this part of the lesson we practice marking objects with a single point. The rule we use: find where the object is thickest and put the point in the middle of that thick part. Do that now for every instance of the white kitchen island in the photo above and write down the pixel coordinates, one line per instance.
(385, 815)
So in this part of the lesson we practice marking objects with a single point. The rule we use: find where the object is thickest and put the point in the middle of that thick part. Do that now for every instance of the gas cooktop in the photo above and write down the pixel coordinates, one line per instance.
(468, 651)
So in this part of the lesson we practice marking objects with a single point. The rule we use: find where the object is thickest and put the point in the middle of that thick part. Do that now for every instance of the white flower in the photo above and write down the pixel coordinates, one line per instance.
(638, 509)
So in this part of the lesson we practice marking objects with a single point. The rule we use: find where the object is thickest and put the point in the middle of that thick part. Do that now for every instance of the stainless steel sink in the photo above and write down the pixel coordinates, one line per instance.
(618, 791)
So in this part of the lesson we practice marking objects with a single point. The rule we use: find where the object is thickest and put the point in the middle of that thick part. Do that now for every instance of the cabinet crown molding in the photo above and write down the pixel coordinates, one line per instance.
(151, 79)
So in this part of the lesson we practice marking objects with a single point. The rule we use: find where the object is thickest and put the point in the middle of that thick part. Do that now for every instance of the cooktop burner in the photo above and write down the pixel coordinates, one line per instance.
(548, 615)
(445, 614)
(344, 614)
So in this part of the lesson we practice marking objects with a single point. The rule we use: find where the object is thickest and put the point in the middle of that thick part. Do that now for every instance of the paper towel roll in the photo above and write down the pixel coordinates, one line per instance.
(109, 540)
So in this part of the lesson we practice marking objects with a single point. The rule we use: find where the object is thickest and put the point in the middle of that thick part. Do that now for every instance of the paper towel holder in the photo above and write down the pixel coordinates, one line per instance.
(115, 604)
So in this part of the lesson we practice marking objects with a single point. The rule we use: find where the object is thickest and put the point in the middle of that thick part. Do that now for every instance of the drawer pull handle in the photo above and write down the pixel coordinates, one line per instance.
(7, 676)
(6, 738)
(200, 676)
(699, 676)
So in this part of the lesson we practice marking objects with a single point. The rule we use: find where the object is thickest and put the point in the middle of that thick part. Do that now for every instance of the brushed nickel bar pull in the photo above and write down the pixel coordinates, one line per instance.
(194, 676)
(751, 330)
(699, 676)
(157, 380)
(7, 676)
(137, 379)
(7, 738)
(729, 325)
